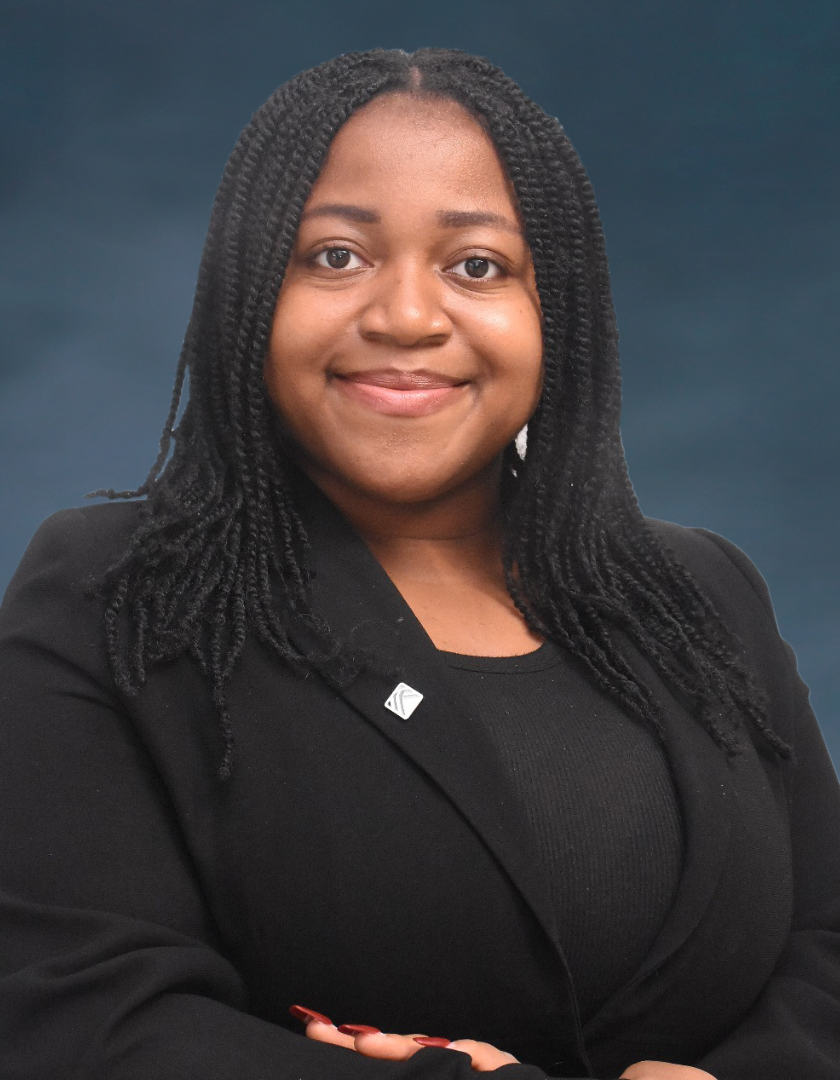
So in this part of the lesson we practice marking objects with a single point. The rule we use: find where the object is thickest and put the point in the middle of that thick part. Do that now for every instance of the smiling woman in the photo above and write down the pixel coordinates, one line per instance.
(406, 352)
(410, 294)
(361, 707)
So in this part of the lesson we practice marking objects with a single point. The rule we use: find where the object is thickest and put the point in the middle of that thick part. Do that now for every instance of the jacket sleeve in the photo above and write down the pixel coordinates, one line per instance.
(110, 964)
(793, 1030)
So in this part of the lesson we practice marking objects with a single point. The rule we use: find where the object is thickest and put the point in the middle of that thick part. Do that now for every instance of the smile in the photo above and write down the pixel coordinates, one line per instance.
(400, 393)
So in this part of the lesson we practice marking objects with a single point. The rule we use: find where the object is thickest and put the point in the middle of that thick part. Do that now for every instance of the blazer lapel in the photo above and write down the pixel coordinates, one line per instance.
(361, 605)
(703, 783)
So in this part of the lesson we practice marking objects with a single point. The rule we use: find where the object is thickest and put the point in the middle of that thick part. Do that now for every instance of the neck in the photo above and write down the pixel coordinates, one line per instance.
(457, 532)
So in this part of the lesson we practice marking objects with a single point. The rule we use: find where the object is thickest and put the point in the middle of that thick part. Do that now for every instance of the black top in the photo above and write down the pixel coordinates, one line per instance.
(599, 799)
(155, 922)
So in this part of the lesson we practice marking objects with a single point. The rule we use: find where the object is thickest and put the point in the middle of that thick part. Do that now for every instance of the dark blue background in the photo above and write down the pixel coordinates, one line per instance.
(710, 132)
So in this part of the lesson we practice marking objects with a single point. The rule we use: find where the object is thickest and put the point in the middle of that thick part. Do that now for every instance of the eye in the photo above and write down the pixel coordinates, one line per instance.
(478, 268)
(337, 258)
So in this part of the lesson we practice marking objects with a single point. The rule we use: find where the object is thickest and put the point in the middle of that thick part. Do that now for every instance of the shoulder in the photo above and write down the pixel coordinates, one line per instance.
(721, 569)
(75, 546)
(740, 596)
(51, 611)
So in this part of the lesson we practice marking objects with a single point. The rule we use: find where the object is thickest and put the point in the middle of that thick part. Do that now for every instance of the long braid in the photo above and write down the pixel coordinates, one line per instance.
(599, 514)
(221, 550)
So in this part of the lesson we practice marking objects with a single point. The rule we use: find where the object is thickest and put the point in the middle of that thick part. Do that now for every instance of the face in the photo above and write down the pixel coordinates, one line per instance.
(406, 349)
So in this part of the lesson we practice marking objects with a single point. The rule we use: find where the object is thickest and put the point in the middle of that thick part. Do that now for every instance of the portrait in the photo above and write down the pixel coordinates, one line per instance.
(429, 699)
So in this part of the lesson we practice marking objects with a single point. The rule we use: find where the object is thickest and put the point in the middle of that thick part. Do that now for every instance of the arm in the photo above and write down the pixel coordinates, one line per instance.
(793, 1030)
(110, 966)
(794, 1027)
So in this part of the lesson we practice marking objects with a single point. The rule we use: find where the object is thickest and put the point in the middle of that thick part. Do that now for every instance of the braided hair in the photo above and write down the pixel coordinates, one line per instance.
(221, 550)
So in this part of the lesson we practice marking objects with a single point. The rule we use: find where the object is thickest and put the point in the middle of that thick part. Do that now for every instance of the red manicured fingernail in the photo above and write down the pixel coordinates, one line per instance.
(358, 1029)
(299, 1013)
(431, 1040)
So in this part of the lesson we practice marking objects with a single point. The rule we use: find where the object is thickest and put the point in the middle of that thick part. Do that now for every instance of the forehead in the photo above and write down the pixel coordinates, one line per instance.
(398, 145)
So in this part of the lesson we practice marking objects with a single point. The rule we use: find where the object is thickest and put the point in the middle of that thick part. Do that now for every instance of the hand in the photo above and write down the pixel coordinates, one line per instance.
(663, 1070)
(376, 1044)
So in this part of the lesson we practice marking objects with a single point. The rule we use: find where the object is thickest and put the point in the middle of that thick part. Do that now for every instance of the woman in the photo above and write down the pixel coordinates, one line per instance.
(363, 713)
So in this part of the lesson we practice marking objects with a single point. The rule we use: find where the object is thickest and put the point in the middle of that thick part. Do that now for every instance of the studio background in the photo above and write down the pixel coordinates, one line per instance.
(710, 131)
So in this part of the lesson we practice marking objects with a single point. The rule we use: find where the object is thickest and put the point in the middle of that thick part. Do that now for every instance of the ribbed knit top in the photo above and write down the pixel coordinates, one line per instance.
(597, 792)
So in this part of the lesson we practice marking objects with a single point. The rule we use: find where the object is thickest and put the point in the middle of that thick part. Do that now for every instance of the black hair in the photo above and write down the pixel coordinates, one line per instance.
(220, 538)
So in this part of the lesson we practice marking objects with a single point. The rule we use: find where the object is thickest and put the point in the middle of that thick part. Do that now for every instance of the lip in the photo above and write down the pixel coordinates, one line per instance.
(393, 392)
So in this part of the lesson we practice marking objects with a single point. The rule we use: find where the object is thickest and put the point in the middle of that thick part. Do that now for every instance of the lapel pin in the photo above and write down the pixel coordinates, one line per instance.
(404, 700)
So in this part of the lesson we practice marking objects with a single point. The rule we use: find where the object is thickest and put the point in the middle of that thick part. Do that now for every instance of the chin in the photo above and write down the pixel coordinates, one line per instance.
(396, 486)
(399, 480)
(408, 492)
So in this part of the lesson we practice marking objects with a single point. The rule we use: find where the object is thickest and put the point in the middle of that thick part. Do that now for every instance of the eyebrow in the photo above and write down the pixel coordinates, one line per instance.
(461, 219)
(353, 213)
(449, 219)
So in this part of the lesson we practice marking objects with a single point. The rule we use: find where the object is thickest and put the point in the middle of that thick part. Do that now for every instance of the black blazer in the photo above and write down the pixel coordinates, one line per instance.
(157, 923)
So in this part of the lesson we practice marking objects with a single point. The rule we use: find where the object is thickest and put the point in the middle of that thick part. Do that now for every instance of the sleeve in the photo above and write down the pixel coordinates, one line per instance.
(793, 1030)
(110, 966)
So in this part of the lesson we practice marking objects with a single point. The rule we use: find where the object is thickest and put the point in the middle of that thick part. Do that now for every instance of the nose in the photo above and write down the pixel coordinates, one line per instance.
(406, 307)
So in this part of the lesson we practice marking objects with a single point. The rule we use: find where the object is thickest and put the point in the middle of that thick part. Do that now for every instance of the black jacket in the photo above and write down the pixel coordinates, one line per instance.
(155, 923)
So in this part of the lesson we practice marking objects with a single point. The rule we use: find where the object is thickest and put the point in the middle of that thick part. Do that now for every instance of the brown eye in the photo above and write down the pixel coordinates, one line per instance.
(336, 258)
(479, 269)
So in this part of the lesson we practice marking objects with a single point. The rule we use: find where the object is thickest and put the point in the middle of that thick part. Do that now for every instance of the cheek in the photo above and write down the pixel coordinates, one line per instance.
(293, 331)
(308, 320)
(515, 339)
(515, 326)
(531, 349)
(298, 340)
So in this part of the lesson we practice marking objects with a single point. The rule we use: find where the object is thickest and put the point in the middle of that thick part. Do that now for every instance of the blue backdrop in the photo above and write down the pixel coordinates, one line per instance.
(709, 129)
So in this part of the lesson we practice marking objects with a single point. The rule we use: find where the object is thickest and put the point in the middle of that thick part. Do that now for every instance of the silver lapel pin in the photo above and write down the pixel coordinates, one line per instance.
(404, 700)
